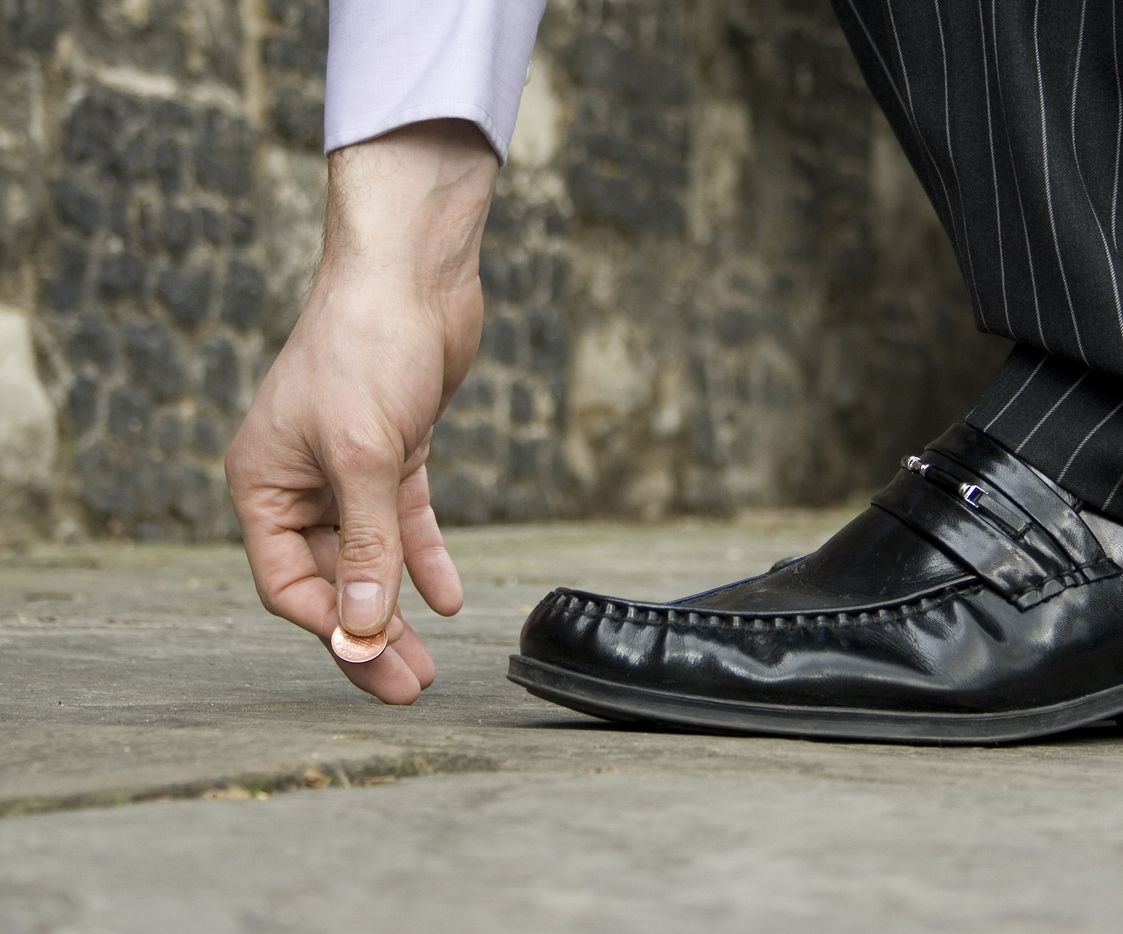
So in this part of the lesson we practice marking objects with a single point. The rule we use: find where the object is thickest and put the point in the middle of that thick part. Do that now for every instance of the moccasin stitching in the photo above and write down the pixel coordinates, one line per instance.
(670, 618)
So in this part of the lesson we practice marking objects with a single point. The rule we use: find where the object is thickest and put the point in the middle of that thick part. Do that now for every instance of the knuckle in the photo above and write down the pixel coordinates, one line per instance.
(413, 494)
(239, 466)
(365, 547)
(430, 552)
(232, 464)
(362, 450)
(420, 529)
(269, 601)
(416, 509)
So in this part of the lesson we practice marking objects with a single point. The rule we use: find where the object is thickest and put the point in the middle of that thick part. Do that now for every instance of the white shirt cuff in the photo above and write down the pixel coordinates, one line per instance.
(393, 62)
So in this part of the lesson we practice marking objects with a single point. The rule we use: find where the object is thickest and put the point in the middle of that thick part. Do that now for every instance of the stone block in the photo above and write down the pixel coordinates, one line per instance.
(293, 52)
(222, 378)
(476, 392)
(171, 116)
(556, 222)
(302, 19)
(549, 340)
(737, 327)
(520, 281)
(77, 206)
(168, 164)
(601, 62)
(34, 24)
(242, 227)
(23, 191)
(120, 275)
(65, 285)
(212, 225)
(133, 160)
(522, 404)
(167, 39)
(185, 293)
(494, 272)
(94, 129)
(455, 441)
(524, 502)
(154, 361)
(223, 154)
(460, 496)
(500, 340)
(169, 433)
(122, 490)
(193, 494)
(620, 199)
(524, 460)
(178, 230)
(128, 412)
(293, 59)
(28, 433)
(207, 436)
(82, 402)
(102, 488)
(93, 342)
(296, 116)
(120, 220)
(243, 295)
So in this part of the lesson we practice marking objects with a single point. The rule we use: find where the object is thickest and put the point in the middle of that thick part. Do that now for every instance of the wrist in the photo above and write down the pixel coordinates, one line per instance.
(411, 205)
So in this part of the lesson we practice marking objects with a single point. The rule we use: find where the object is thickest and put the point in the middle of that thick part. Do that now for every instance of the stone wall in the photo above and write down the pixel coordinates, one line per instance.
(712, 280)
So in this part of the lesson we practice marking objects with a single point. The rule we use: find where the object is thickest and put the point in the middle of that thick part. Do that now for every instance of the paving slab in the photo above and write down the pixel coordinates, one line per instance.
(125, 680)
(129, 672)
(566, 853)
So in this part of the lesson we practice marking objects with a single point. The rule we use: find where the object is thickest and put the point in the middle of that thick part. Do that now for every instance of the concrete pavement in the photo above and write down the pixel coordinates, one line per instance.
(174, 759)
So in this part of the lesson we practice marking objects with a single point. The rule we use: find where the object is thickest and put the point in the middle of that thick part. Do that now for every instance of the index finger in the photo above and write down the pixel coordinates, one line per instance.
(284, 571)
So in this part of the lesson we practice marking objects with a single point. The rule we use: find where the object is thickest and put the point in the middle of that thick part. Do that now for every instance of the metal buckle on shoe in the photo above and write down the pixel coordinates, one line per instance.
(971, 494)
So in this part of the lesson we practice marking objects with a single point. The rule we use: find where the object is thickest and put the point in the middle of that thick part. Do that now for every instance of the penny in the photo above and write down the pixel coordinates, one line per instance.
(351, 648)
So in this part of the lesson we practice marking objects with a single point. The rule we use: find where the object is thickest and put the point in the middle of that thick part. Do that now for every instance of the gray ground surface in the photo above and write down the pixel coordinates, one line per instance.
(172, 759)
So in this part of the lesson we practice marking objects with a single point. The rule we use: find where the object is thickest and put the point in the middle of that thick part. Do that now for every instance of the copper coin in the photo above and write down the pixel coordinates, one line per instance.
(351, 648)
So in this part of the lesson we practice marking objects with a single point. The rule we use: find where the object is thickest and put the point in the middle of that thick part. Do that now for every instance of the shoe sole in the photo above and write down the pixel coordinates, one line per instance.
(614, 701)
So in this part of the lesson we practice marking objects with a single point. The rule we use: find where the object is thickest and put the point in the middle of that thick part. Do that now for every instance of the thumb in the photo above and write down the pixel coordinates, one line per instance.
(368, 572)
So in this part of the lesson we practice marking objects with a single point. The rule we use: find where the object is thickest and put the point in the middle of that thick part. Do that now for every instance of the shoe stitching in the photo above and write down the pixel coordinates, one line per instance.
(1068, 578)
(570, 605)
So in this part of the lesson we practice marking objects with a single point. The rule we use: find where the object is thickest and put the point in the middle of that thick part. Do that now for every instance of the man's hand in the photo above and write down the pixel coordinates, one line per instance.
(339, 431)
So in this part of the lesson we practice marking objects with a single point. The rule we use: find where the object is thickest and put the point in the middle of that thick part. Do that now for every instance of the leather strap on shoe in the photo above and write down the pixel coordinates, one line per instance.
(1050, 507)
(986, 508)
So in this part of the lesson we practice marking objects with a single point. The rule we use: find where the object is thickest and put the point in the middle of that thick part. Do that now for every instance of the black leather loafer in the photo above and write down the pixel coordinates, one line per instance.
(975, 601)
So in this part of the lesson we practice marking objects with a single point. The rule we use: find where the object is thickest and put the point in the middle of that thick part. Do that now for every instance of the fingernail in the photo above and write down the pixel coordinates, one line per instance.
(361, 608)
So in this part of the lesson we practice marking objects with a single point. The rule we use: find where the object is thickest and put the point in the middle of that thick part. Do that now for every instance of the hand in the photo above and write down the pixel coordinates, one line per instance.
(339, 431)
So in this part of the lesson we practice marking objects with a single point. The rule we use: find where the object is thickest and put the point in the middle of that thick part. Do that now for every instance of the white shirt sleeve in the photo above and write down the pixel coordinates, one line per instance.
(393, 62)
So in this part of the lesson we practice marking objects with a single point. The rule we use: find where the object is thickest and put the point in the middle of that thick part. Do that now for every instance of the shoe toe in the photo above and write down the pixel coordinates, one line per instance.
(588, 632)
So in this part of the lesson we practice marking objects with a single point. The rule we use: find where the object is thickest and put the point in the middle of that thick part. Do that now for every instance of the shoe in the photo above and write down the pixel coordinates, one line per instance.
(974, 601)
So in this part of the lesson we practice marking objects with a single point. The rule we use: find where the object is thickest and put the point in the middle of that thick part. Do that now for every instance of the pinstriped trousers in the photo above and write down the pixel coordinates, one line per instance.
(1011, 113)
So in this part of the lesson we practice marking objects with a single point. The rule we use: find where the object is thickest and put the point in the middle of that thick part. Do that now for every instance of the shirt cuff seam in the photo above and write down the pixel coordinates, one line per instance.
(433, 110)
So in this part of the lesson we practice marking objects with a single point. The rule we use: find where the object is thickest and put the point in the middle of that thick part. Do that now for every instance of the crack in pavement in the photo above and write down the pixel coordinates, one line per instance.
(260, 785)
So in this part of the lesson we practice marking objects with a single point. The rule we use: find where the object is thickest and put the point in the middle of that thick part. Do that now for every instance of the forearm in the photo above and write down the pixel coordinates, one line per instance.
(409, 208)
